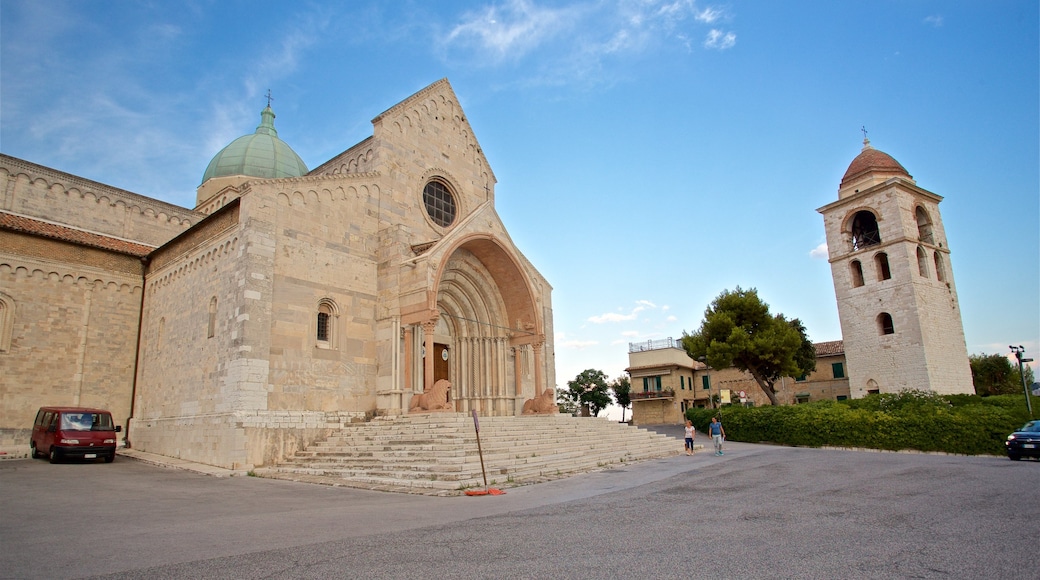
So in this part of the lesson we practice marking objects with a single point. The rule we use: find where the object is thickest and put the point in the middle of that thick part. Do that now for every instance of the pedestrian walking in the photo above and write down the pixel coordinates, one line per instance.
(691, 433)
(718, 434)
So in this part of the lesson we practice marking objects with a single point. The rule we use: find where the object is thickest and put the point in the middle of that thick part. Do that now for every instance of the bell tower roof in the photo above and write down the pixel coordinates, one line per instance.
(872, 161)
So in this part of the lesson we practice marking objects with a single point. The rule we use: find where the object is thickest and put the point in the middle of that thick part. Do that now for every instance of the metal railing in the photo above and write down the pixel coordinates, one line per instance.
(654, 345)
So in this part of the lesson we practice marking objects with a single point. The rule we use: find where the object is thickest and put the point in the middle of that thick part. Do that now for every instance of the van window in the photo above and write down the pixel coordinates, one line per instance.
(86, 422)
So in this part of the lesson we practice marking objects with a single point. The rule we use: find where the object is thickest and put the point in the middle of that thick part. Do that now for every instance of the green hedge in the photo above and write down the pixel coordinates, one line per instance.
(963, 424)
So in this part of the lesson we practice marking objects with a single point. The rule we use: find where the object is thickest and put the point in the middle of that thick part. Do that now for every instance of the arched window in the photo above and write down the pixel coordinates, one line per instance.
(924, 226)
(883, 271)
(325, 323)
(6, 322)
(940, 271)
(865, 231)
(857, 273)
(212, 327)
(922, 262)
(884, 322)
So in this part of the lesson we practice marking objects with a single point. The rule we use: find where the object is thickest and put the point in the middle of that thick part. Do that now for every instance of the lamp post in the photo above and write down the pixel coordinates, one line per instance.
(1019, 351)
(707, 368)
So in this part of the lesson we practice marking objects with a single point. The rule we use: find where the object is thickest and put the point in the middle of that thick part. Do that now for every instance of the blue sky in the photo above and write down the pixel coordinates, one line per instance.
(650, 154)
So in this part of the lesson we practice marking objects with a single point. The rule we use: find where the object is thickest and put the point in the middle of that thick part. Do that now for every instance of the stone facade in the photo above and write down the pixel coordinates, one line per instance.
(666, 382)
(897, 301)
(282, 309)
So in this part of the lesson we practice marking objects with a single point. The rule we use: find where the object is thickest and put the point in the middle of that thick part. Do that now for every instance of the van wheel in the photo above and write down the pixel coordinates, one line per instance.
(33, 453)
(54, 455)
(110, 458)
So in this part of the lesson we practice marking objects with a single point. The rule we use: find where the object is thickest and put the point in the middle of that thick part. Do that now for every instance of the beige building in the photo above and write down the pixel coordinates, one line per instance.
(897, 301)
(666, 382)
(288, 302)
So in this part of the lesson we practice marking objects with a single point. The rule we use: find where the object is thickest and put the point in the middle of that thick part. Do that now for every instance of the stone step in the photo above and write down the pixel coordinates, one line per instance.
(437, 453)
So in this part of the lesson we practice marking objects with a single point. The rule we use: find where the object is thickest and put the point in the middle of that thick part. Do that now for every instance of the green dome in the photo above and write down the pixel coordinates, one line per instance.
(261, 154)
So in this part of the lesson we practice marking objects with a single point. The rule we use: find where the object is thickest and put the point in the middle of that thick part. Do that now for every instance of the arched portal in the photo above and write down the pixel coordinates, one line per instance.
(488, 331)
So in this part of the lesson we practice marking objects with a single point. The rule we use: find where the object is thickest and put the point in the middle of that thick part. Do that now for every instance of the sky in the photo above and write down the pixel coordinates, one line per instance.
(650, 154)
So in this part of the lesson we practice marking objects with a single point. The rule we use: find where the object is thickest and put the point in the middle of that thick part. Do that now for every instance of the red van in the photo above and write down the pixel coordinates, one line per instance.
(60, 432)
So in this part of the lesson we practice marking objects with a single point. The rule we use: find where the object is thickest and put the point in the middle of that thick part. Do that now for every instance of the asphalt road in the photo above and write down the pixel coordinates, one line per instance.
(757, 512)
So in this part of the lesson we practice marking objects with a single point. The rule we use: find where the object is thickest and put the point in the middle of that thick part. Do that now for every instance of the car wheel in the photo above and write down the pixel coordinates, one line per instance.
(54, 455)
(1014, 457)
(33, 453)
(110, 458)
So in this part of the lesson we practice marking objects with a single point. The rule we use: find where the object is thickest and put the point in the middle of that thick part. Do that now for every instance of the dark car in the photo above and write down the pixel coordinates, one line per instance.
(1025, 442)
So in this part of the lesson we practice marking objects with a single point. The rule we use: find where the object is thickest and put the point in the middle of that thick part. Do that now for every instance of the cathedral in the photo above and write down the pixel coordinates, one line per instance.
(288, 302)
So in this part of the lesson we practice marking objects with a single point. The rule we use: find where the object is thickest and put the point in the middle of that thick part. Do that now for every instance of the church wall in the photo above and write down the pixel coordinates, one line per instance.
(37, 191)
(325, 251)
(73, 316)
(197, 367)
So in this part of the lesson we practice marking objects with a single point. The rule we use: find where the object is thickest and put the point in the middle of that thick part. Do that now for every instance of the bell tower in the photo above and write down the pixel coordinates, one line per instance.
(890, 262)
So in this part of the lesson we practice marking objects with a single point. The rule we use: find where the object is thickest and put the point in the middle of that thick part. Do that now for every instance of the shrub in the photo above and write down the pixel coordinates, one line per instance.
(963, 424)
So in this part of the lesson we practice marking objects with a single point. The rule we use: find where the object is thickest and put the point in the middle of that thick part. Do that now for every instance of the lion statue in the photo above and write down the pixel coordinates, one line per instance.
(543, 404)
(433, 399)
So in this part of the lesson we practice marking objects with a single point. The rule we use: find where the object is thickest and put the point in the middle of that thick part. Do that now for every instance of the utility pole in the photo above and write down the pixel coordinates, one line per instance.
(1019, 352)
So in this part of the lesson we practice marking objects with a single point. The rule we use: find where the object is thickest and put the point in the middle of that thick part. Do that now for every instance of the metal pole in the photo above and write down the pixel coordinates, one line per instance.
(1022, 373)
(476, 426)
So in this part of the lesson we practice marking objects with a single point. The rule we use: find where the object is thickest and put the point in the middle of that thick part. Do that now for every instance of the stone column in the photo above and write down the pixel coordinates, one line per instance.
(428, 328)
(539, 373)
(409, 346)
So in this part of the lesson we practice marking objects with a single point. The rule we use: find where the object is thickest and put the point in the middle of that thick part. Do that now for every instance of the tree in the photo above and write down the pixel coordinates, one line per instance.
(565, 403)
(622, 388)
(994, 374)
(738, 331)
(590, 389)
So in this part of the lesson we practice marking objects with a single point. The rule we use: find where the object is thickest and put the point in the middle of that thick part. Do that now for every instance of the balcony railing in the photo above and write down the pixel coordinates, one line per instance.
(654, 345)
(643, 395)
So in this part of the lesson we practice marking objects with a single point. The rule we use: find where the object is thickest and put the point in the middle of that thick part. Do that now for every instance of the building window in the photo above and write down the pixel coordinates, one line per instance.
(838, 369)
(883, 271)
(922, 262)
(705, 382)
(801, 379)
(682, 382)
(940, 271)
(885, 326)
(801, 398)
(211, 328)
(6, 322)
(857, 273)
(440, 203)
(325, 323)
(924, 226)
(842, 397)
(865, 231)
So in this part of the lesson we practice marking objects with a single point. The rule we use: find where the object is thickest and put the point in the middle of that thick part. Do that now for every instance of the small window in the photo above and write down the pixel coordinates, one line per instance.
(325, 324)
(883, 271)
(842, 397)
(6, 322)
(885, 325)
(682, 382)
(924, 226)
(857, 273)
(211, 328)
(922, 262)
(801, 379)
(940, 271)
(838, 369)
(705, 382)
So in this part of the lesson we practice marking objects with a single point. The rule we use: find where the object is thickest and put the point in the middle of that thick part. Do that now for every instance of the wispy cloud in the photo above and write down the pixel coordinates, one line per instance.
(720, 40)
(641, 305)
(935, 20)
(819, 252)
(579, 36)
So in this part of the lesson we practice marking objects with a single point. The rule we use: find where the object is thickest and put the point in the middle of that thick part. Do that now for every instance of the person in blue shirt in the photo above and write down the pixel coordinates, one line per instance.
(718, 434)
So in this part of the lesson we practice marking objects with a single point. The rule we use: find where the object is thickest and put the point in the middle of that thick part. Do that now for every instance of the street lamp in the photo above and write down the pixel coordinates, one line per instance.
(1019, 351)
(707, 368)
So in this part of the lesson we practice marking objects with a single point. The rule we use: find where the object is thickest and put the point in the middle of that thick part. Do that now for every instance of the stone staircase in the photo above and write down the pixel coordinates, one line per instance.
(436, 453)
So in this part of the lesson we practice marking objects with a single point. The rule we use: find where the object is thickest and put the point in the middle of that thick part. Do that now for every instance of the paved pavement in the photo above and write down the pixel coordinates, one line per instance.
(757, 512)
